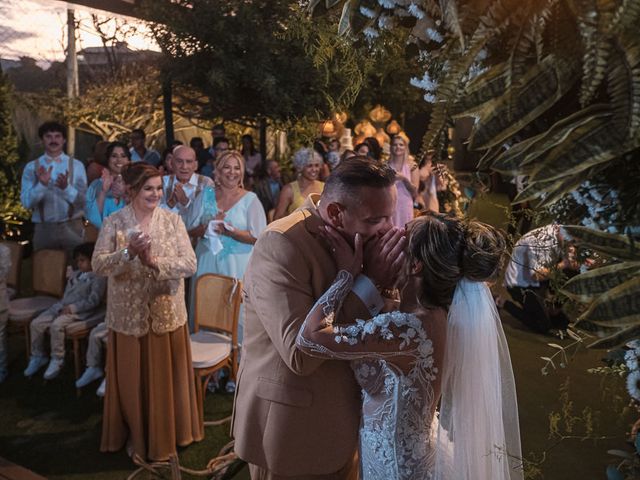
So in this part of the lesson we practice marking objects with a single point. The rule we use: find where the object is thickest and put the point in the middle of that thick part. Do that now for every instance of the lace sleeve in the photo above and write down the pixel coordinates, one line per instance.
(387, 335)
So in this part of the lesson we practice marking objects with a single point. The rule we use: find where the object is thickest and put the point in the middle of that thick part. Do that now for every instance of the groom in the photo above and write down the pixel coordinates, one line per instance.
(295, 416)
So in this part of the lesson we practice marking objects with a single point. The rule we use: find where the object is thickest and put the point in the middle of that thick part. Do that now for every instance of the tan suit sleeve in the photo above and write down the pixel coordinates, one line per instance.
(282, 296)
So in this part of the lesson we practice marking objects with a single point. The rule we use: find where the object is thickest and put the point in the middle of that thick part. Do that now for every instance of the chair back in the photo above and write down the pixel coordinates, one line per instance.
(13, 279)
(217, 305)
(49, 272)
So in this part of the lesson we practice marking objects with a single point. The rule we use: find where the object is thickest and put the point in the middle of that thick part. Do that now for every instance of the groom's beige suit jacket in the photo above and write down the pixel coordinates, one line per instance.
(294, 415)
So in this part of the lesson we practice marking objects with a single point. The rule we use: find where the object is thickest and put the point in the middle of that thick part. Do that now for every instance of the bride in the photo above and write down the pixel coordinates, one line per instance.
(444, 344)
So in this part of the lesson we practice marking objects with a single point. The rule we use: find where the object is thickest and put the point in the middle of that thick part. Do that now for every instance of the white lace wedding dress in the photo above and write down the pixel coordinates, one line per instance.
(396, 437)
(477, 436)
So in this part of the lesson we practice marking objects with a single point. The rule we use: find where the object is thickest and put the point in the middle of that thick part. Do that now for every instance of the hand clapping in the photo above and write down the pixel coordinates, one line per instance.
(44, 175)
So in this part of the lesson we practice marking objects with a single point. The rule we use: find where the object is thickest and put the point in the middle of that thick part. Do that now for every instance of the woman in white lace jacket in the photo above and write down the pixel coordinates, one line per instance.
(446, 341)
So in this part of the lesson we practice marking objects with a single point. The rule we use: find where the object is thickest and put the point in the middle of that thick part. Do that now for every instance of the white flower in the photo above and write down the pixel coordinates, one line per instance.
(352, 330)
(631, 359)
(371, 33)
(370, 327)
(633, 380)
(386, 22)
(429, 98)
(416, 11)
(425, 83)
(338, 338)
(434, 35)
(634, 344)
(367, 12)
(387, 3)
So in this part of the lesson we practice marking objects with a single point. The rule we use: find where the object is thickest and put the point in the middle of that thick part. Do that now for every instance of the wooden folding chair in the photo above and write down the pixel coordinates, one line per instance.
(13, 280)
(214, 343)
(48, 280)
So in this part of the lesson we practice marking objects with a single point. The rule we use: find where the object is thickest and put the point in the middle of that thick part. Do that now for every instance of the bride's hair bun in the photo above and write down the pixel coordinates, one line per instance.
(484, 251)
(437, 242)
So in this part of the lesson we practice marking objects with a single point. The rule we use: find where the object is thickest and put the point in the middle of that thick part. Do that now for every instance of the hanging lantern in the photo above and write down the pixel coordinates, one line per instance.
(393, 128)
(340, 117)
(365, 128)
(380, 114)
(327, 129)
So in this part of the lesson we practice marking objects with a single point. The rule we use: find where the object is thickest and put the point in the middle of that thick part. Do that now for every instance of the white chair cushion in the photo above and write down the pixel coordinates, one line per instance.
(22, 309)
(11, 293)
(209, 348)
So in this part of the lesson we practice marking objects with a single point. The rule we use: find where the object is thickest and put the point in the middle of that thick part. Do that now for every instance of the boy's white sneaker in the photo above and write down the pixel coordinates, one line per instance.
(35, 364)
(54, 368)
(91, 374)
(102, 388)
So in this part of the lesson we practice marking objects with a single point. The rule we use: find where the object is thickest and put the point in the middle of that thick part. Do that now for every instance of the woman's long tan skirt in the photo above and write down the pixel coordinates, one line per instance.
(150, 398)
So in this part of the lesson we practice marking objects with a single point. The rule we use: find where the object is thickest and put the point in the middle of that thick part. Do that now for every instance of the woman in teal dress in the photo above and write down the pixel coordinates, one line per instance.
(105, 195)
(227, 220)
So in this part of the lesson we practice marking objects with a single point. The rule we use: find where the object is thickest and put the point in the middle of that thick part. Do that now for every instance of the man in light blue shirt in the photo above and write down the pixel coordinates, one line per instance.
(53, 188)
(139, 151)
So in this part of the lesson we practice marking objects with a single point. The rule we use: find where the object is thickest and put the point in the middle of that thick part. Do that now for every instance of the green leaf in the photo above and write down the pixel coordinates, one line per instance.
(591, 144)
(344, 23)
(612, 244)
(331, 3)
(587, 286)
(538, 91)
(620, 337)
(619, 306)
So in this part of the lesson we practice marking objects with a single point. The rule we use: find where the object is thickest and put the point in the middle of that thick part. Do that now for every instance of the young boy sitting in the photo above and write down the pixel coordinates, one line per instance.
(82, 296)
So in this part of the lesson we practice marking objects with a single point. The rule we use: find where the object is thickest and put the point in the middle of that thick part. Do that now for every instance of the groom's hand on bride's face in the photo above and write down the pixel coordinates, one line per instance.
(383, 257)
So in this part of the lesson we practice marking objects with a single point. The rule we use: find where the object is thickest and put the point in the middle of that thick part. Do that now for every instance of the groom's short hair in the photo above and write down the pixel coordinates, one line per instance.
(355, 173)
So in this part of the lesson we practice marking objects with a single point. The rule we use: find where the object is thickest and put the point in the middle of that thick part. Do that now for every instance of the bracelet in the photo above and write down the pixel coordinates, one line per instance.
(391, 293)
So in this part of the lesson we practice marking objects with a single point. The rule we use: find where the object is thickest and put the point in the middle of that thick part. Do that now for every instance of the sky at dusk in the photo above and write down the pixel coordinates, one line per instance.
(37, 28)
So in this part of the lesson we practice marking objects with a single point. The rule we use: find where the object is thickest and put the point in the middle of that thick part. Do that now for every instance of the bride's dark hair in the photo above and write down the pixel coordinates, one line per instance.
(449, 250)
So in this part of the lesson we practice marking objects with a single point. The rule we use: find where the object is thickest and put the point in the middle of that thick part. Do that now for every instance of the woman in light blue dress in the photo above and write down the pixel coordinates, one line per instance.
(228, 220)
(105, 195)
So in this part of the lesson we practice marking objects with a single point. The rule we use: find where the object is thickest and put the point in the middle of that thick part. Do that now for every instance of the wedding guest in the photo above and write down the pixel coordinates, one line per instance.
(407, 179)
(268, 188)
(182, 187)
(166, 167)
(427, 198)
(252, 160)
(375, 150)
(362, 149)
(534, 258)
(97, 162)
(139, 150)
(83, 295)
(220, 145)
(53, 188)
(5, 268)
(106, 194)
(227, 220)
(307, 163)
(150, 402)
(281, 424)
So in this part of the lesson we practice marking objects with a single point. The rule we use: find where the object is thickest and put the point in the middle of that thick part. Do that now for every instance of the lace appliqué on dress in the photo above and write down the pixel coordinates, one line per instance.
(395, 434)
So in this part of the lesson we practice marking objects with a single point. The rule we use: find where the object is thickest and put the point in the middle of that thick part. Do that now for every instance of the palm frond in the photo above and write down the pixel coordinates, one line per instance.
(624, 84)
(538, 91)
(617, 307)
(618, 246)
(449, 11)
(589, 285)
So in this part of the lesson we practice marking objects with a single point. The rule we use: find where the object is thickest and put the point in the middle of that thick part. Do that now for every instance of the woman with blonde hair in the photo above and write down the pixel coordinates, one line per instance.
(227, 220)
(407, 179)
(150, 403)
(308, 164)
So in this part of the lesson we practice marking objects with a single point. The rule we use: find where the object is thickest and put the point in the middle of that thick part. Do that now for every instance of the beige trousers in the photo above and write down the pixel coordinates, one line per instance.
(56, 325)
(95, 350)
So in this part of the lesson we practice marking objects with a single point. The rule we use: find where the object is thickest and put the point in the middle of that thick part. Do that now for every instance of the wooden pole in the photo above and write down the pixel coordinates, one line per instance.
(72, 75)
